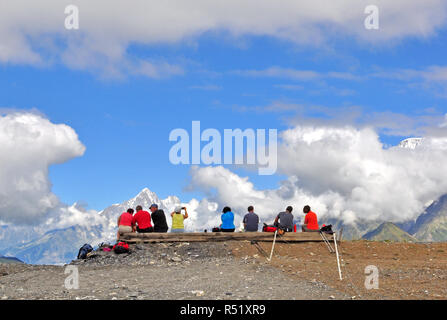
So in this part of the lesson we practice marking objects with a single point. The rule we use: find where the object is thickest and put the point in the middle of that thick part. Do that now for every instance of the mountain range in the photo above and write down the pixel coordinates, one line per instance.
(60, 245)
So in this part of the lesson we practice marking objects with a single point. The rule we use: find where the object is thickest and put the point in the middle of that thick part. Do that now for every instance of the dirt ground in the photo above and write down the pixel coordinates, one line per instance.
(406, 271)
(175, 271)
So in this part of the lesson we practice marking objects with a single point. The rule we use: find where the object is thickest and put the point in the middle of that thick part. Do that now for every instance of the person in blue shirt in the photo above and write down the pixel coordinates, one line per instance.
(227, 220)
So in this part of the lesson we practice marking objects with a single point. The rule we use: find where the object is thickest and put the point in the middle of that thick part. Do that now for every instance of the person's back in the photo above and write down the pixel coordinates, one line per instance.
(126, 219)
(227, 220)
(285, 219)
(159, 220)
(143, 219)
(125, 223)
(311, 221)
(251, 221)
(177, 221)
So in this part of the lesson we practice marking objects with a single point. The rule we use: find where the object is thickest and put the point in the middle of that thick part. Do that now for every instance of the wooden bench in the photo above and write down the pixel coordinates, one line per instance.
(221, 236)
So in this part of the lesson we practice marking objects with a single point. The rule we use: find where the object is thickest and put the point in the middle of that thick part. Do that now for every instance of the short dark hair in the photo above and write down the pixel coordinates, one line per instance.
(139, 208)
(289, 208)
(226, 209)
(250, 208)
(130, 210)
(306, 209)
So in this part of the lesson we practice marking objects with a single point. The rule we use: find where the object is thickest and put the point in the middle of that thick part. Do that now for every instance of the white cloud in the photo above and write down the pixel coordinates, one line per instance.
(342, 172)
(29, 144)
(33, 31)
(67, 216)
(296, 74)
(432, 78)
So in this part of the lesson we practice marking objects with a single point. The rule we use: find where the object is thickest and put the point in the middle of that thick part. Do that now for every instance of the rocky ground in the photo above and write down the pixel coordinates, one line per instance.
(162, 271)
(239, 270)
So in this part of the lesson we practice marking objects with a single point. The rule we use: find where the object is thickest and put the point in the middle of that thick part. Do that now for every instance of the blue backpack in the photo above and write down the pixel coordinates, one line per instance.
(85, 249)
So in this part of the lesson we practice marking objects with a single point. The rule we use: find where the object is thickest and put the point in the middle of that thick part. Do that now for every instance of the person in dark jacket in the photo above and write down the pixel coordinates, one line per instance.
(159, 219)
(251, 220)
(284, 220)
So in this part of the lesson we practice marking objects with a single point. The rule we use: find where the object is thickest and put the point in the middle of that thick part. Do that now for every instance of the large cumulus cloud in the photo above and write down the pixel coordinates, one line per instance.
(32, 31)
(343, 172)
(29, 144)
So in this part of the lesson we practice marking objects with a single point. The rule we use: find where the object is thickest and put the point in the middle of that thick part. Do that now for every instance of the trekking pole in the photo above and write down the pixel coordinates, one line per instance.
(338, 259)
(273, 246)
(326, 241)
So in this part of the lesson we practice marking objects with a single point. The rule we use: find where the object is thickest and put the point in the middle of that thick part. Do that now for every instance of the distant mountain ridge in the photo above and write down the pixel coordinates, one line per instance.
(388, 231)
(60, 246)
(431, 225)
(10, 260)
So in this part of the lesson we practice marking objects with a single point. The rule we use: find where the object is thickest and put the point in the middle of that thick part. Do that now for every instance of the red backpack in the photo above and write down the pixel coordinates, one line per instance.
(267, 228)
(121, 247)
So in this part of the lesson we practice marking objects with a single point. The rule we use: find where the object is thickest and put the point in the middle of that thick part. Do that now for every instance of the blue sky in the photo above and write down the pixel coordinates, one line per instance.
(125, 122)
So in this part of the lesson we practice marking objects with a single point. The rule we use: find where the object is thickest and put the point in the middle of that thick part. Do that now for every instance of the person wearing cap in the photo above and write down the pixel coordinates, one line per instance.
(178, 219)
(159, 219)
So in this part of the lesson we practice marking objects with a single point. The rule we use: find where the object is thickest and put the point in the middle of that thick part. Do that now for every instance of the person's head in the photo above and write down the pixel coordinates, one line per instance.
(130, 210)
(250, 209)
(139, 208)
(154, 207)
(289, 209)
(306, 209)
(178, 209)
(226, 209)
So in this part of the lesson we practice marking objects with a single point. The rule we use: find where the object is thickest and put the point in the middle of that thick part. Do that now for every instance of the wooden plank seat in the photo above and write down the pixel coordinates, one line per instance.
(222, 236)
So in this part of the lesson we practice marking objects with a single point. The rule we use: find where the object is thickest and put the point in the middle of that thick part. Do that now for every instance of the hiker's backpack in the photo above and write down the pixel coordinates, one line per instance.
(85, 249)
(216, 229)
(327, 229)
(267, 228)
(121, 247)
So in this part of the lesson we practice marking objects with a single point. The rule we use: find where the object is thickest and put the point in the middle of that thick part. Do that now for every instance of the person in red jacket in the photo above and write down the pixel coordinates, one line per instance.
(310, 221)
(142, 221)
(125, 223)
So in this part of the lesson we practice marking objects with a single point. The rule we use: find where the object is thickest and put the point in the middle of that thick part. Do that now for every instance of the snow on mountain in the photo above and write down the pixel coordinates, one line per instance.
(58, 246)
(432, 143)
(145, 198)
(59, 238)
(410, 143)
(17, 235)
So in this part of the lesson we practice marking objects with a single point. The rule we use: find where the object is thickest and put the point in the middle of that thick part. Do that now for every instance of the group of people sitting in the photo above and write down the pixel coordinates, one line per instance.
(144, 222)
(283, 220)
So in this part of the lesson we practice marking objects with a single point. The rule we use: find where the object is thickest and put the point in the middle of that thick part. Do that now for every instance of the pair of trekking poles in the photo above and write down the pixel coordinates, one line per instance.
(326, 241)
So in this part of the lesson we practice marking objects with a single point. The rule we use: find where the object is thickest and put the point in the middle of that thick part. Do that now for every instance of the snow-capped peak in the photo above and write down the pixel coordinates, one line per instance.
(410, 143)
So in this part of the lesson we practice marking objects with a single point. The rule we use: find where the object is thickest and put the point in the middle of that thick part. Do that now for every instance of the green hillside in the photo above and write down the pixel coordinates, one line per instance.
(388, 231)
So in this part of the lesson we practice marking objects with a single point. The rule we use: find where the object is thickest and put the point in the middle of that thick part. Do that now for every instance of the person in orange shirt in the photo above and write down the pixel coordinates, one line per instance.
(310, 221)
